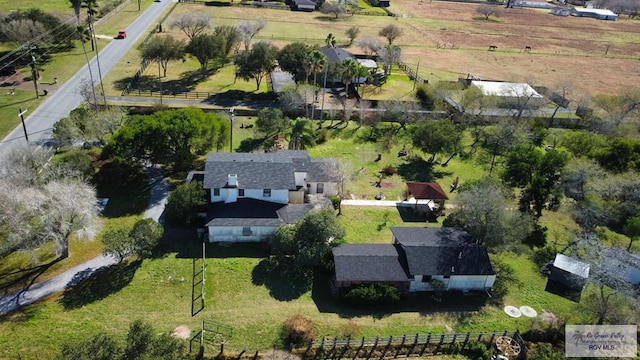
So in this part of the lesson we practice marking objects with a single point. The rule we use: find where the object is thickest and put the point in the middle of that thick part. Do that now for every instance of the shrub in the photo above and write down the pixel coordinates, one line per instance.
(426, 96)
(372, 294)
(298, 330)
(323, 136)
(543, 255)
(335, 201)
(389, 170)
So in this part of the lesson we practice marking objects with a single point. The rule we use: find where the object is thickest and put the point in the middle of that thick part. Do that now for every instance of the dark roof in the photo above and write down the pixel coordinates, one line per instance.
(442, 251)
(369, 262)
(251, 212)
(267, 170)
(427, 191)
(336, 54)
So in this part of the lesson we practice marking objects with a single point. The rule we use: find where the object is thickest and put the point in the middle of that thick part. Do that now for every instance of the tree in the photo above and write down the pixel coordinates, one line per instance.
(184, 203)
(434, 137)
(502, 138)
(291, 58)
(312, 238)
(482, 209)
(632, 230)
(146, 234)
(333, 8)
(118, 243)
(301, 135)
(352, 33)
(170, 137)
(581, 143)
(270, 122)
(391, 33)
(369, 45)
(256, 63)
(205, 48)
(163, 49)
(538, 173)
(99, 347)
(317, 61)
(330, 40)
(249, 29)
(389, 55)
(618, 155)
(578, 176)
(192, 25)
(351, 70)
(231, 36)
(488, 10)
(619, 107)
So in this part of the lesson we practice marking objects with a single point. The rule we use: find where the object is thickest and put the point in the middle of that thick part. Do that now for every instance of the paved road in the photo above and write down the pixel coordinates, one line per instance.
(59, 104)
(39, 127)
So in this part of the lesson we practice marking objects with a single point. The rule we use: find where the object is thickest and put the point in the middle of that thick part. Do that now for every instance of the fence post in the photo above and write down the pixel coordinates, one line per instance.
(355, 355)
(466, 340)
(345, 349)
(439, 343)
(415, 342)
(375, 345)
(426, 343)
(404, 337)
(386, 348)
(241, 353)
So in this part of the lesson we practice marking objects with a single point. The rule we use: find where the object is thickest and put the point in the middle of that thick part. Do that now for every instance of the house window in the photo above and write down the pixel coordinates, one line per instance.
(266, 193)
(426, 278)
(240, 192)
(216, 192)
(246, 231)
(320, 188)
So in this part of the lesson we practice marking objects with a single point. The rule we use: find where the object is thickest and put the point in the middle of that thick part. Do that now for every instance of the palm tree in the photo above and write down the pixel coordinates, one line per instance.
(317, 62)
(92, 10)
(301, 135)
(330, 40)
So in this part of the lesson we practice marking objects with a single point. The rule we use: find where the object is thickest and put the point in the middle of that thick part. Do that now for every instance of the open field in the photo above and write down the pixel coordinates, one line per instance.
(564, 49)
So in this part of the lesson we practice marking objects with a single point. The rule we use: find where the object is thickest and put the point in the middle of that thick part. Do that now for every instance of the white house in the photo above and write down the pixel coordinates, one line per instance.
(416, 259)
(251, 195)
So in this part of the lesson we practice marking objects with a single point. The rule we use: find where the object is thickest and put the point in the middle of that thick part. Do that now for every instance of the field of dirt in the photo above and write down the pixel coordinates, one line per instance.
(593, 56)
(450, 39)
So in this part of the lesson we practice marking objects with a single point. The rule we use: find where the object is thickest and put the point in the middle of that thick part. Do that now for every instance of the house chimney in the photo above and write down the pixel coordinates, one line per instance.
(233, 180)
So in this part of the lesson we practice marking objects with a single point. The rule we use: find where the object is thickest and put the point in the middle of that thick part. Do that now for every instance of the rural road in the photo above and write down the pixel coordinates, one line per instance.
(39, 128)
(40, 121)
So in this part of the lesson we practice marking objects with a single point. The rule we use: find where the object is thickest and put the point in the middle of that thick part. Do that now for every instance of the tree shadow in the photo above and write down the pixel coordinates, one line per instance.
(285, 280)
(22, 279)
(409, 214)
(186, 245)
(416, 168)
(241, 95)
(126, 185)
(96, 284)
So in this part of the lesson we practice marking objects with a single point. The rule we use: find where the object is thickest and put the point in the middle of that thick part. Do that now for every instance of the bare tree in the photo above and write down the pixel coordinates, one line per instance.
(389, 55)
(21, 164)
(333, 8)
(391, 33)
(488, 10)
(369, 45)
(620, 108)
(248, 30)
(352, 33)
(23, 30)
(192, 25)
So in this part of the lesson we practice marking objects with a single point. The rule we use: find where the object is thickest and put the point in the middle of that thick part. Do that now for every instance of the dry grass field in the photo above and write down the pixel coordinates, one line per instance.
(563, 49)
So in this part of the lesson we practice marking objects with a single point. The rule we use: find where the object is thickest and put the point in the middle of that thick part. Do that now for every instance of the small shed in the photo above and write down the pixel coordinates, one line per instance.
(431, 192)
(601, 14)
(569, 272)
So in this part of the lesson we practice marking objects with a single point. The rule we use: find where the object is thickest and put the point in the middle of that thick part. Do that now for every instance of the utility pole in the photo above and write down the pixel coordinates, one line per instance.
(34, 76)
(231, 116)
(324, 89)
(160, 81)
(24, 127)
(415, 78)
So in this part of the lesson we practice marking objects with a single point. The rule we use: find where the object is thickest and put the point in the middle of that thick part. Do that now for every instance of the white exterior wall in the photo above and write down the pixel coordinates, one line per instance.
(330, 189)
(229, 195)
(235, 233)
(301, 178)
(461, 282)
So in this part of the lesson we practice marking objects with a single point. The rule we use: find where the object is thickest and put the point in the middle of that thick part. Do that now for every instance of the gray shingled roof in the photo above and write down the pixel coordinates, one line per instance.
(323, 170)
(369, 262)
(336, 54)
(267, 170)
(251, 212)
(442, 251)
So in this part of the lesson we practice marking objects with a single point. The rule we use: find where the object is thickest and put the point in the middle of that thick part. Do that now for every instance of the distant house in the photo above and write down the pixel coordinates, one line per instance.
(508, 93)
(570, 272)
(601, 14)
(251, 195)
(416, 258)
(337, 55)
(303, 5)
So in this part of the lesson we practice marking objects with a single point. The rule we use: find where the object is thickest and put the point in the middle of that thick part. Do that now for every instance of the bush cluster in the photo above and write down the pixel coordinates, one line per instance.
(298, 330)
(372, 294)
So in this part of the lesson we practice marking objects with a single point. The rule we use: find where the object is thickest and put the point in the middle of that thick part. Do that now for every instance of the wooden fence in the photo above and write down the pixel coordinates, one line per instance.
(413, 75)
(400, 346)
